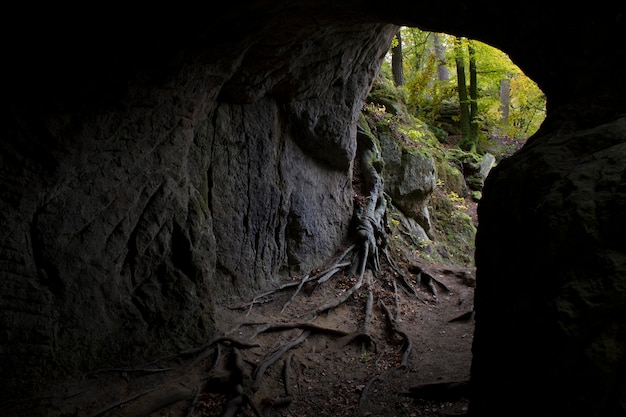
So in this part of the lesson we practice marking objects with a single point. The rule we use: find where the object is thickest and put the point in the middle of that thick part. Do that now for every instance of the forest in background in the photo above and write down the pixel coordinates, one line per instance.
(416, 99)
(496, 100)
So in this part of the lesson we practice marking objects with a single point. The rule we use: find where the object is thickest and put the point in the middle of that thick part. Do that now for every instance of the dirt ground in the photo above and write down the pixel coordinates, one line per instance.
(332, 368)
(274, 359)
(329, 374)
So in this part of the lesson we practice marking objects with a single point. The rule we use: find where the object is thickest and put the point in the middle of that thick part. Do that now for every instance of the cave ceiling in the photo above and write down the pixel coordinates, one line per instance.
(575, 54)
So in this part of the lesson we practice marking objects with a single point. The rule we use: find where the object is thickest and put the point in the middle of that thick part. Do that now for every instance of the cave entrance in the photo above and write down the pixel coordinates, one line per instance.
(385, 327)
(387, 324)
(429, 67)
(416, 100)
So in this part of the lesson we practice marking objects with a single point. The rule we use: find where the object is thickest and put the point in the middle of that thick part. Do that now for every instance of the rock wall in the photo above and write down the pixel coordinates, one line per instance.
(551, 264)
(154, 165)
(410, 177)
(137, 196)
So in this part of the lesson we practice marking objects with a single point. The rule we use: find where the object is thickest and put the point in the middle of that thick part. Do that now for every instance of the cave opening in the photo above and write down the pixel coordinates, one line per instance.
(159, 195)
(416, 95)
(426, 66)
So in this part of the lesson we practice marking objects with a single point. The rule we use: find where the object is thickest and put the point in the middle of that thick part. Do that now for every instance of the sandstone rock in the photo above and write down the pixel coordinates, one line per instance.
(129, 222)
(409, 177)
(550, 280)
(486, 163)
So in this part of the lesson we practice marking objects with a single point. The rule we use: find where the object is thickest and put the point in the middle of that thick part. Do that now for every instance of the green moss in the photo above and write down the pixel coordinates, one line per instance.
(385, 94)
(449, 177)
(452, 229)
(456, 232)
(460, 157)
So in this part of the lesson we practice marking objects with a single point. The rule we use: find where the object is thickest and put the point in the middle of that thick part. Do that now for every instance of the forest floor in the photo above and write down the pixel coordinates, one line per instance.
(320, 367)
(400, 345)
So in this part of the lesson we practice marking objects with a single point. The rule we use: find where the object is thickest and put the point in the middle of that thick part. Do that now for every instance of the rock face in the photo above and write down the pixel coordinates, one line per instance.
(549, 303)
(128, 216)
(154, 167)
(409, 178)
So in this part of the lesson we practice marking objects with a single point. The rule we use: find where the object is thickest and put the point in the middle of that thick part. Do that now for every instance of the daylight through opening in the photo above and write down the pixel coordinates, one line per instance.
(445, 111)
(465, 130)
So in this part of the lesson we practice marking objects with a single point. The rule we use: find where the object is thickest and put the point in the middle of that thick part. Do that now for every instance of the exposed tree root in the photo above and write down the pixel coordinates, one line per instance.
(288, 378)
(428, 280)
(240, 379)
(407, 345)
(361, 260)
(273, 357)
(311, 327)
(467, 316)
(364, 394)
(406, 284)
(194, 403)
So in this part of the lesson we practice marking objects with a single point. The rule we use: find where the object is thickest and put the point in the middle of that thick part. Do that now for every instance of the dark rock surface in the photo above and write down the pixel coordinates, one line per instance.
(155, 165)
(550, 295)
(410, 178)
(141, 193)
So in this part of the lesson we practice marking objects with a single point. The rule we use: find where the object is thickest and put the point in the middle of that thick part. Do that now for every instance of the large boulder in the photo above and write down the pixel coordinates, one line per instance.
(409, 174)
(551, 287)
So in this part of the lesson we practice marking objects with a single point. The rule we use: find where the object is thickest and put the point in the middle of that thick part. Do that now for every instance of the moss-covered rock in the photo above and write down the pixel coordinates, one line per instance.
(426, 182)
(386, 95)
(455, 230)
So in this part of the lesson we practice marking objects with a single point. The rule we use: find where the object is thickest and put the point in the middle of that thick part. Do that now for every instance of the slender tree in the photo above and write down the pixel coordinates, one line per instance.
(459, 58)
(505, 98)
(516, 113)
(440, 54)
(473, 93)
(397, 61)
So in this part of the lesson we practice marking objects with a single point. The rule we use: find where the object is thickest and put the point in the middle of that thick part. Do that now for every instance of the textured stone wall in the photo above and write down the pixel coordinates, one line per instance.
(153, 165)
(141, 193)
(551, 259)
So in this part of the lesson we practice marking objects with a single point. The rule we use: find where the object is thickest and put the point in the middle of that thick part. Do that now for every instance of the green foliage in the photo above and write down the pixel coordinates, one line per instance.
(453, 231)
(527, 107)
(456, 232)
(425, 94)
(417, 84)
(394, 41)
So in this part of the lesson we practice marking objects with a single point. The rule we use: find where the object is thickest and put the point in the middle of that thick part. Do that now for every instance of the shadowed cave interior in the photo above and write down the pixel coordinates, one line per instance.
(156, 167)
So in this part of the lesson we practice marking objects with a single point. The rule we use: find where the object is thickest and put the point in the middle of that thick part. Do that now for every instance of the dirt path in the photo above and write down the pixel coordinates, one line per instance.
(334, 365)
(336, 379)
(328, 374)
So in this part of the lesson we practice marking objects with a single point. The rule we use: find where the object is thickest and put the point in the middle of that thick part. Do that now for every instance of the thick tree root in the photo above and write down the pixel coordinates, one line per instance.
(241, 379)
(361, 260)
(311, 327)
(393, 324)
(275, 356)
(288, 378)
(428, 280)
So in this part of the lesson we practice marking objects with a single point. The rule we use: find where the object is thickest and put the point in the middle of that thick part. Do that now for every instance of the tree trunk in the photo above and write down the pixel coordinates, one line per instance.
(396, 61)
(440, 54)
(473, 92)
(505, 99)
(462, 88)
